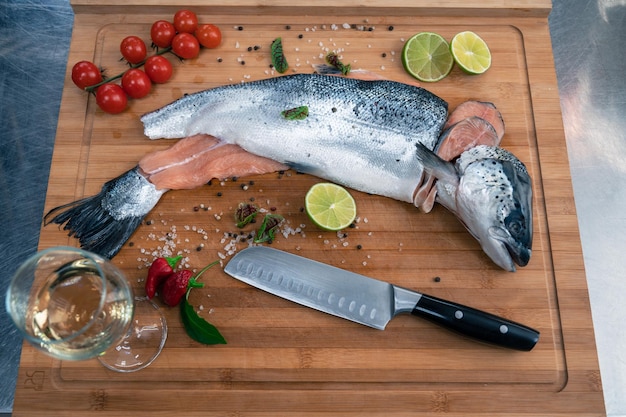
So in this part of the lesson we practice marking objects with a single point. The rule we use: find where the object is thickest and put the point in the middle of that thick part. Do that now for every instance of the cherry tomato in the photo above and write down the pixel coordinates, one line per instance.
(162, 33)
(85, 74)
(158, 68)
(209, 36)
(136, 83)
(185, 45)
(185, 21)
(111, 98)
(133, 49)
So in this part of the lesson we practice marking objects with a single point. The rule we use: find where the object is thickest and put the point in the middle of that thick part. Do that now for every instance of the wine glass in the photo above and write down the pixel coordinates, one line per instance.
(76, 305)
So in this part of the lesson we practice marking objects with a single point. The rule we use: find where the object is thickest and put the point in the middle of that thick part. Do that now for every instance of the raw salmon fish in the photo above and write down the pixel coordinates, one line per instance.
(376, 136)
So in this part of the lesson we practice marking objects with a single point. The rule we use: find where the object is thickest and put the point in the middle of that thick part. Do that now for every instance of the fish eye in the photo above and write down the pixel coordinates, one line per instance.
(516, 225)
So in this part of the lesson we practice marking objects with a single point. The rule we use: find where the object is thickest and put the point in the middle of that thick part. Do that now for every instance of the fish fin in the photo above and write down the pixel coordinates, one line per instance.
(447, 179)
(325, 69)
(429, 203)
(103, 223)
(434, 165)
(304, 168)
(358, 74)
(423, 192)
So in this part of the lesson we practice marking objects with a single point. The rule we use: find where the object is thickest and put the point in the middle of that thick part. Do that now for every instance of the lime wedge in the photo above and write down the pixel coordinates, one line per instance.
(330, 206)
(426, 56)
(470, 52)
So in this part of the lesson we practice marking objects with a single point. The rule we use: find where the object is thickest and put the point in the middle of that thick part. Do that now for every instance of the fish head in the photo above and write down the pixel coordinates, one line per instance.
(494, 202)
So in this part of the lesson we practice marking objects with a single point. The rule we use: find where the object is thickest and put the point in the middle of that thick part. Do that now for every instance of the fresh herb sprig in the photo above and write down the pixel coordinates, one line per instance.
(297, 113)
(333, 59)
(279, 61)
(198, 328)
(268, 228)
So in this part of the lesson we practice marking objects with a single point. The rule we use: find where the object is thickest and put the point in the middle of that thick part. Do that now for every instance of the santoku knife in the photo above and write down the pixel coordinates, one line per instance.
(366, 300)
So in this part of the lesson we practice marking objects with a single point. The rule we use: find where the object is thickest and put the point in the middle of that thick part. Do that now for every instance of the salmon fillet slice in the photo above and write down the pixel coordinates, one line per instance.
(195, 160)
(484, 110)
(177, 154)
(466, 134)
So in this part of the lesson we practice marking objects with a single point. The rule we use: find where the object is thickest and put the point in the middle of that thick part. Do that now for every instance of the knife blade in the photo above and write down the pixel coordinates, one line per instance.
(367, 300)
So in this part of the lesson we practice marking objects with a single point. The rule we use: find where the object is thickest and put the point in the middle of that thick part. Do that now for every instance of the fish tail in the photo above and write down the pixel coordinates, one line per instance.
(104, 222)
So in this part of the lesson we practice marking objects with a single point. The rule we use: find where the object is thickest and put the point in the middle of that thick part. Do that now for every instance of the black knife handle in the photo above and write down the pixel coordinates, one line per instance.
(477, 324)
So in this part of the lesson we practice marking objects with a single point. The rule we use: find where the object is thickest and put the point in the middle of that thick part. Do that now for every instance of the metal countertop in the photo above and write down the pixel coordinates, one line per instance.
(590, 57)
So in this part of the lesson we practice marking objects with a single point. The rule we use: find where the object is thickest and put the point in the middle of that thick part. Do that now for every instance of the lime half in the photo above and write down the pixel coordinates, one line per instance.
(330, 206)
(470, 52)
(427, 57)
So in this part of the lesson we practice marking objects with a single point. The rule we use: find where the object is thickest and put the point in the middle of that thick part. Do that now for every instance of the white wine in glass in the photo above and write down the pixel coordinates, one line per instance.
(75, 305)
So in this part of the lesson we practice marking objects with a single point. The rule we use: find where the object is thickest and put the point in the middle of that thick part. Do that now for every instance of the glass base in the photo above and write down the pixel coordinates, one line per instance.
(143, 342)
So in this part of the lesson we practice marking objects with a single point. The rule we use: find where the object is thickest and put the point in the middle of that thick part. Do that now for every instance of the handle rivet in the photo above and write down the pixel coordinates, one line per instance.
(458, 314)
(504, 329)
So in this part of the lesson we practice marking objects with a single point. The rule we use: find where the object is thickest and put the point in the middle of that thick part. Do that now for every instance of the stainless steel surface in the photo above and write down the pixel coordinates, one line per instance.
(34, 42)
(316, 285)
(590, 57)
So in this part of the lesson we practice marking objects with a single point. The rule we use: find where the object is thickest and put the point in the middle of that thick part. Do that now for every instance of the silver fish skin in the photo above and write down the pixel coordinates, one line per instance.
(360, 134)
(490, 191)
(103, 222)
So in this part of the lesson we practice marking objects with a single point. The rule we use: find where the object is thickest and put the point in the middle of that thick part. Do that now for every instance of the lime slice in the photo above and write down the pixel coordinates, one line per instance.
(330, 206)
(426, 56)
(470, 52)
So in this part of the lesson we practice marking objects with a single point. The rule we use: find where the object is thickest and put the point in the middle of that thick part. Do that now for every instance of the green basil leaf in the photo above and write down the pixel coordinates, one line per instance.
(198, 328)
(278, 57)
(245, 213)
(268, 228)
(297, 113)
(333, 60)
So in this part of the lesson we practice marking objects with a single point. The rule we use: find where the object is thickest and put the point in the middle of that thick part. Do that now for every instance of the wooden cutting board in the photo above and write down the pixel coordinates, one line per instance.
(283, 359)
